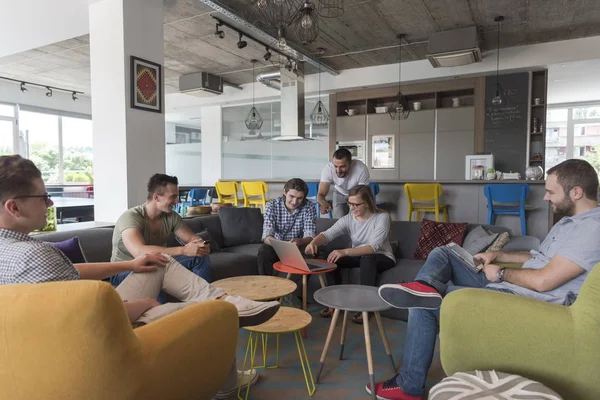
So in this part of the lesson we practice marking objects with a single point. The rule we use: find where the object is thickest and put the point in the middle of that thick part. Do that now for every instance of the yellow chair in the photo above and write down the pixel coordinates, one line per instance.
(425, 197)
(227, 192)
(255, 194)
(73, 341)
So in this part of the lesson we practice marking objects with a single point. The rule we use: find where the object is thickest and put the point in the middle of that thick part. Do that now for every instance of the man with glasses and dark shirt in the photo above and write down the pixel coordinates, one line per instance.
(290, 218)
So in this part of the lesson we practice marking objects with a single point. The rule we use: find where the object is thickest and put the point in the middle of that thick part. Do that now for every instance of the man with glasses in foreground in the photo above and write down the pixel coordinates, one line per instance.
(24, 259)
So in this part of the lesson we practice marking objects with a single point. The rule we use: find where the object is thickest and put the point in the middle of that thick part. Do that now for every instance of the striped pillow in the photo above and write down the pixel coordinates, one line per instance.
(489, 385)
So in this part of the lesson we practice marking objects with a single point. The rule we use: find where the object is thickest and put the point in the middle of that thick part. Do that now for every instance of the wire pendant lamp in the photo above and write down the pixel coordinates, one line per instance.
(253, 121)
(497, 100)
(400, 109)
(319, 115)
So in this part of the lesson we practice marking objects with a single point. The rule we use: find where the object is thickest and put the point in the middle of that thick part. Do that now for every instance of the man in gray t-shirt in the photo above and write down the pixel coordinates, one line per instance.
(345, 174)
(554, 273)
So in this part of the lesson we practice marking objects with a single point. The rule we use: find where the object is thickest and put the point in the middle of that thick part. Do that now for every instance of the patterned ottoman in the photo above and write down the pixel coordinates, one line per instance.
(489, 385)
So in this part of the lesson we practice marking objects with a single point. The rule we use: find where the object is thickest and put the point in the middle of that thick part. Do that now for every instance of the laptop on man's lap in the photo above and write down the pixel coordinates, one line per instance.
(290, 255)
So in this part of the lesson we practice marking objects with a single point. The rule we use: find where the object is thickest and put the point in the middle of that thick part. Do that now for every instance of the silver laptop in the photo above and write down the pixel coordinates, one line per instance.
(290, 255)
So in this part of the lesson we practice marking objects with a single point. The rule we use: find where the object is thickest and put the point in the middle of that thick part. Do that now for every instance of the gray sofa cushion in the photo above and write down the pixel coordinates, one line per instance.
(211, 223)
(241, 226)
(249, 249)
(96, 243)
(478, 240)
(226, 265)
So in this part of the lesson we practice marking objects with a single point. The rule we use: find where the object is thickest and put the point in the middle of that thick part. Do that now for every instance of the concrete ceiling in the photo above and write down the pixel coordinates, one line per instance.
(351, 41)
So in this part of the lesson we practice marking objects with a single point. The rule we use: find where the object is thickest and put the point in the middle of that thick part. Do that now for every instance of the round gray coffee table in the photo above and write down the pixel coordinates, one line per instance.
(354, 298)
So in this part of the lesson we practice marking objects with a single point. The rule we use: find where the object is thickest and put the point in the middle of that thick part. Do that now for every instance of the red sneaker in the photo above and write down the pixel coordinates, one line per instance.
(411, 295)
(389, 390)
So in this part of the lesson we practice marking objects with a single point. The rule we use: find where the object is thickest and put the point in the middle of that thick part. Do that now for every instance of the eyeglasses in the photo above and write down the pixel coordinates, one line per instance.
(46, 197)
(355, 205)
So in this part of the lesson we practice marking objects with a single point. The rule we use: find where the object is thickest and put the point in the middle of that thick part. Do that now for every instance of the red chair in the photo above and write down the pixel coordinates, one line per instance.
(90, 192)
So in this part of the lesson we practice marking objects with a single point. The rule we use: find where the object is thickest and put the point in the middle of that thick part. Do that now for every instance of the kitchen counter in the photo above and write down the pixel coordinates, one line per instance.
(380, 181)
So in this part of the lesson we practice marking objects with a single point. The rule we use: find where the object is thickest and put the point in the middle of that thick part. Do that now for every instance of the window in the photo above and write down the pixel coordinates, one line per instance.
(252, 154)
(77, 150)
(573, 132)
(7, 110)
(6, 137)
(40, 132)
(60, 146)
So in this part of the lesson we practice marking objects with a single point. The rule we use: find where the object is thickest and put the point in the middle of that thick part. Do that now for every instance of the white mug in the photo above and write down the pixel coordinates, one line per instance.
(351, 111)
(417, 105)
(456, 102)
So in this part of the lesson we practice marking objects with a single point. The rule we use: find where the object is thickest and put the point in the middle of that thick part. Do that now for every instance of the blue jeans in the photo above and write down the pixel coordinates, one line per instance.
(441, 267)
(198, 265)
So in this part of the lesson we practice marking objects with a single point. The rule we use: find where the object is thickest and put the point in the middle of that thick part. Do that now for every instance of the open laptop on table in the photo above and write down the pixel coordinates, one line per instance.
(290, 255)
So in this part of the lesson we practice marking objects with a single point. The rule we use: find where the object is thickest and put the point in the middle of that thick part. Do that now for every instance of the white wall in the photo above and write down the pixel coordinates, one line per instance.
(28, 24)
(11, 93)
(212, 133)
(129, 144)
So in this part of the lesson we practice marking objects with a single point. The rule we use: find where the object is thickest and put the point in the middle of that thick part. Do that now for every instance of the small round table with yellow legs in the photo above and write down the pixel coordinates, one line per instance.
(287, 320)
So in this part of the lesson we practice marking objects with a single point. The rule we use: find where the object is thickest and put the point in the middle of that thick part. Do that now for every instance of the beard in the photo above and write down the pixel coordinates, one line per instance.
(566, 207)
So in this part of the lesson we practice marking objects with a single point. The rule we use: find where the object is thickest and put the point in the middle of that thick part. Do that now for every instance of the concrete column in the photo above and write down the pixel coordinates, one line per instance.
(129, 144)
(211, 123)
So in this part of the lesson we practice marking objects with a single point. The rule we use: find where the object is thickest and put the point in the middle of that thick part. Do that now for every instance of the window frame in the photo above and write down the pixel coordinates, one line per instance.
(40, 110)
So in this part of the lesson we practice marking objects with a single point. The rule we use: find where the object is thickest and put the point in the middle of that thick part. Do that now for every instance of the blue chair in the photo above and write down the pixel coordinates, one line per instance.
(194, 198)
(512, 196)
(375, 190)
(313, 191)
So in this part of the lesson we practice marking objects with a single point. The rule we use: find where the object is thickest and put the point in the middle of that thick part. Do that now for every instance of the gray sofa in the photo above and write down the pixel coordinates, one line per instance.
(241, 259)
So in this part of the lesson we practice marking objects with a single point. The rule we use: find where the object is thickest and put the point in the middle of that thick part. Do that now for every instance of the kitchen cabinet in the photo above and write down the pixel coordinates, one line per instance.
(351, 128)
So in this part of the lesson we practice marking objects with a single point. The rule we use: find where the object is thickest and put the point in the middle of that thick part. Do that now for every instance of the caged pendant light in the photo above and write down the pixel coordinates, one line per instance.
(400, 109)
(253, 121)
(319, 115)
(497, 100)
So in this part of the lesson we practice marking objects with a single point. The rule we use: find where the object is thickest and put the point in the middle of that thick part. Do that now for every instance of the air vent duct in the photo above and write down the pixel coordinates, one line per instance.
(201, 81)
(454, 47)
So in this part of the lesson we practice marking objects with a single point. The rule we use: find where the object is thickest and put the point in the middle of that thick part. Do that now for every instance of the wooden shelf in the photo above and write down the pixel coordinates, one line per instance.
(537, 105)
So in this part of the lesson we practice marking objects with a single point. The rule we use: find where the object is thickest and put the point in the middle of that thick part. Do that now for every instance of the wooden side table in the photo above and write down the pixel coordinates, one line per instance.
(257, 287)
(281, 267)
(287, 320)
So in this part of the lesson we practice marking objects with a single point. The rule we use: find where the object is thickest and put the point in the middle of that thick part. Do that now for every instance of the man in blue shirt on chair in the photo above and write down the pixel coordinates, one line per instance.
(554, 274)
(289, 217)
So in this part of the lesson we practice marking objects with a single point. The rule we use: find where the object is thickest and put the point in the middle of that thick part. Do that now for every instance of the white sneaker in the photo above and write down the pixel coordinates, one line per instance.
(246, 378)
(253, 312)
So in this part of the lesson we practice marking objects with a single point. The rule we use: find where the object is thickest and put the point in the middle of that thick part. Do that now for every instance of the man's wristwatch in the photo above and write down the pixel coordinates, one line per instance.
(501, 275)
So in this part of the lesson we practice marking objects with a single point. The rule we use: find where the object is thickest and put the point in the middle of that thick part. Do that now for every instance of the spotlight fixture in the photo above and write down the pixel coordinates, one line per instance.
(288, 65)
(219, 33)
(241, 43)
(267, 55)
(49, 89)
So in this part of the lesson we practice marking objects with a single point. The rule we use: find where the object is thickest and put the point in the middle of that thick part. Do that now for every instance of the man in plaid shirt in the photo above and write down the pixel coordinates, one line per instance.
(290, 218)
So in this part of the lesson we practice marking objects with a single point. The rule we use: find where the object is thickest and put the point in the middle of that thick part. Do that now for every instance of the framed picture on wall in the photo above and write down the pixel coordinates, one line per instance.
(146, 85)
(383, 152)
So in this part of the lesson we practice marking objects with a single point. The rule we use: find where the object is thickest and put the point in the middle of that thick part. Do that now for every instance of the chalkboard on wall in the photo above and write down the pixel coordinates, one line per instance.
(506, 124)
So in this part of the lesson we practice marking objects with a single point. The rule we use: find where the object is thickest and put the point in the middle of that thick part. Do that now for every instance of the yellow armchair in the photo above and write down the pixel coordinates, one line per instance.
(73, 341)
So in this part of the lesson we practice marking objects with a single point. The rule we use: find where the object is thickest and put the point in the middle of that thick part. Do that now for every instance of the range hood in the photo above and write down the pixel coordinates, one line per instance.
(454, 47)
(292, 106)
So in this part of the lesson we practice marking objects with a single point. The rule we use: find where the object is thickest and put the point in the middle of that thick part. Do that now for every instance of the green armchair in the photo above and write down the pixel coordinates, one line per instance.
(556, 345)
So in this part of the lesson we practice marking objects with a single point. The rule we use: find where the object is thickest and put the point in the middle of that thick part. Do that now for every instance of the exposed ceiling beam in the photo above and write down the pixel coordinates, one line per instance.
(287, 49)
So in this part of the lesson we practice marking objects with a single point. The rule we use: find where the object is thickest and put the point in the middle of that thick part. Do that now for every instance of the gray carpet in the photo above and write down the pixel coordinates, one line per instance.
(345, 379)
